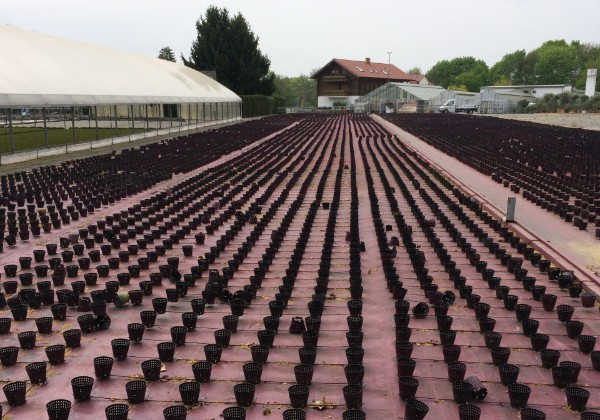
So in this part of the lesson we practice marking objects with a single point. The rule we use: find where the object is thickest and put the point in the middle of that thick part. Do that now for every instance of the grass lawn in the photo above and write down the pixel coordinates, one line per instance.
(28, 138)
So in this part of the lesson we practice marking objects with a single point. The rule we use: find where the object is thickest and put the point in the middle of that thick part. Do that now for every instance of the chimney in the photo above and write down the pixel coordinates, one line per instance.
(368, 60)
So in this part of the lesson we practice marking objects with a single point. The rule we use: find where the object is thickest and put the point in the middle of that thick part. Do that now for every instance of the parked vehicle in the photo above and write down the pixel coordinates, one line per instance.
(456, 105)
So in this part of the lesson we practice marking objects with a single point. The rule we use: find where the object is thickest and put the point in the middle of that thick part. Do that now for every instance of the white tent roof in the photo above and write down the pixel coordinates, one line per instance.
(43, 70)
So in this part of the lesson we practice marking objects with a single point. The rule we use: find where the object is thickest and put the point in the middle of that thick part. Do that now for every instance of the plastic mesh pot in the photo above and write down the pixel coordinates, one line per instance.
(486, 324)
(234, 413)
(159, 305)
(407, 386)
(354, 355)
(354, 374)
(103, 366)
(202, 371)
(590, 415)
(353, 396)
(415, 410)
(403, 334)
(561, 376)
(44, 325)
(72, 338)
(8, 355)
(549, 301)
(59, 311)
(82, 387)
(222, 337)
(577, 398)
(468, 412)
(294, 414)
(304, 374)
(276, 307)
(230, 322)
(136, 391)
(120, 348)
(260, 354)
(406, 367)
(462, 391)
(451, 353)
(148, 318)
(522, 311)
(444, 322)
(447, 337)
(271, 323)
(19, 312)
(539, 341)
(595, 358)
(574, 328)
(298, 395)
(36, 372)
(116, 412)
(58, 409)
(151, 369)
(354, 414)
(354, 322)
(166, 351)
(135, 331)
(307, 355)
(481, 310)
(586, 343)
(549, 358)
(27, 339)
(55, 354)
(190, 392)
(354, 307)
(354, 338)
(252, 372)
(500, 355)
(576, 368)
(403, 349)
(518, 395)
(15, 393)
(266, 337)
(86, 323)
(456, 371)
(244, 394)
(213, 352)
(508, 374)
(5, 324)
(179, 333)
(310, 338)
(528, 413)
(564, 312)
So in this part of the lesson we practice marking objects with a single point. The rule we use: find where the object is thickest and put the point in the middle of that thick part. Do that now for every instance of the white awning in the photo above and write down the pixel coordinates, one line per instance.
(43, 70)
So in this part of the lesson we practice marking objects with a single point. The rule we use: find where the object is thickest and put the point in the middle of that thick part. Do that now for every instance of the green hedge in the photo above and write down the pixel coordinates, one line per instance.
(259, 105)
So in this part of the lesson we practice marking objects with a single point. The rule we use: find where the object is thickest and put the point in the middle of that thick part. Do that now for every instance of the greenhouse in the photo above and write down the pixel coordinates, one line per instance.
(58, 95)
(398, 97)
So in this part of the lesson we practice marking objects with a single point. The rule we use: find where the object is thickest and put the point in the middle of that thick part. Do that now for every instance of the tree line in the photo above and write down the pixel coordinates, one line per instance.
(554, 62)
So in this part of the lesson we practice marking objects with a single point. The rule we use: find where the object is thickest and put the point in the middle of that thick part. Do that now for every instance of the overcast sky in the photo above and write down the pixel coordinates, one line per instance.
(299, 36)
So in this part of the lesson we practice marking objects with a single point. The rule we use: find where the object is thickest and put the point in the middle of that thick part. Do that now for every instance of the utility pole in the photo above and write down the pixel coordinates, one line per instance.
(389, 53)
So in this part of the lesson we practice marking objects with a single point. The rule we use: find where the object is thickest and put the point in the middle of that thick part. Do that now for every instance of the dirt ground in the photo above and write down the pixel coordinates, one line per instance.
(587, 121)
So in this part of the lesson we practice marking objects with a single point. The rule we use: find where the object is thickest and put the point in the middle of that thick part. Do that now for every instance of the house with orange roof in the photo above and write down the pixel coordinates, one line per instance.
(343, 81)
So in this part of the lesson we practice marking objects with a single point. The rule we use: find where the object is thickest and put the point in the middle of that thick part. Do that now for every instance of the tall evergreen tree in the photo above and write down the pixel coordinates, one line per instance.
(228, 46)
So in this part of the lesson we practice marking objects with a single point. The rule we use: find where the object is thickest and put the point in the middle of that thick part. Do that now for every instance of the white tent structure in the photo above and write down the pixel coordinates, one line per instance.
(45, 75)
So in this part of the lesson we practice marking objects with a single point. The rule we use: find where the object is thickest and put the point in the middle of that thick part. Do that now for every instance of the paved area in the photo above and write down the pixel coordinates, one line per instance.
(577, 247)
(587, 121)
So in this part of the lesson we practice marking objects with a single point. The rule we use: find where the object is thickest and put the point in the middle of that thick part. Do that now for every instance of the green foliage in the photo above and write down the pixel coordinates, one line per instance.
(415, 70)
(516, 68)
(29, 138)
(166, 53)
(466, 71)
(300, 91)
(259, 105)
(458, 88)
(567, 102)
(557, 63)
(227, 45)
